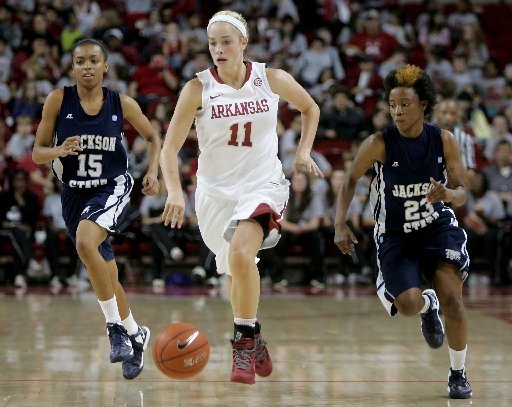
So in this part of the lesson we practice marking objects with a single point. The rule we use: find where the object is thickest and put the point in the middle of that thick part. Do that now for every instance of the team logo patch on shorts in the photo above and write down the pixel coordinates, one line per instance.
(452, 254)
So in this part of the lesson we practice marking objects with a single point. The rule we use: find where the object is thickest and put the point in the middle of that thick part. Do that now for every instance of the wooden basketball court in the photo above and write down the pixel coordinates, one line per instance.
(336, 347)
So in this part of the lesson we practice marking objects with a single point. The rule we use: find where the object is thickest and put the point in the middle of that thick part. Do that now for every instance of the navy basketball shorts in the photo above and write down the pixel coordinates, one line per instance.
(403, 259)
(103, 205)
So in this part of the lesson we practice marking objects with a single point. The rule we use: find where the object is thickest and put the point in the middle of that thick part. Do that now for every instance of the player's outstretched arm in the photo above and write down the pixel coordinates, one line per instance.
(284, 85)
(133, 113)
(188, 103)
(371, 150)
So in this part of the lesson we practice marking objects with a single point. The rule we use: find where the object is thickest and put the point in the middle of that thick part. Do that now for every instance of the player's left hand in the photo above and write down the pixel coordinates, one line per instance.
(305, 160)
(150, 185)
(438, 193)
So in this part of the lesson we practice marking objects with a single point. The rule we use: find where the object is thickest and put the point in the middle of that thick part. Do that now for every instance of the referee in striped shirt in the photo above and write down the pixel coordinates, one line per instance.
(447, 116)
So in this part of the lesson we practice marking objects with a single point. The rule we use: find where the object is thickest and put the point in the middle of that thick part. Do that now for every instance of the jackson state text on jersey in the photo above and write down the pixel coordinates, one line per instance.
(400, 184)
(103, 156)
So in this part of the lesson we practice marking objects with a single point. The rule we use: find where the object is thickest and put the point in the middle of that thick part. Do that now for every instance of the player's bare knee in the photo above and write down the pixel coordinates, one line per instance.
(409, 302)
(239, 260)
(452, 306)
(84, 246)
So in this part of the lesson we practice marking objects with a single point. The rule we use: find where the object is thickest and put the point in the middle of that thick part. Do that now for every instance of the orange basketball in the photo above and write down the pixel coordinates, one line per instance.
(181, 350)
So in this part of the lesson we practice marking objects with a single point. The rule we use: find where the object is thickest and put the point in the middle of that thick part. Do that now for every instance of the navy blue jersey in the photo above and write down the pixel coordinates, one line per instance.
(103, 157)
(400, 184)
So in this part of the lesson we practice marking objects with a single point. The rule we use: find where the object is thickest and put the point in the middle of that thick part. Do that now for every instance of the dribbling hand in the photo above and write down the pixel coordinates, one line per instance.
(438, 193)
(150, 185)
(70, 146)
(344, 238)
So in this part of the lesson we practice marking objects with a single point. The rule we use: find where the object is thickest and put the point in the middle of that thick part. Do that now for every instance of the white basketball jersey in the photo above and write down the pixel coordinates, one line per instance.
(236, 131)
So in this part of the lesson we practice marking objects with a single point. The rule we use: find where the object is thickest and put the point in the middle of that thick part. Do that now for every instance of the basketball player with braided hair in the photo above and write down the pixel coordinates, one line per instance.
(417, 170)
(241, 189)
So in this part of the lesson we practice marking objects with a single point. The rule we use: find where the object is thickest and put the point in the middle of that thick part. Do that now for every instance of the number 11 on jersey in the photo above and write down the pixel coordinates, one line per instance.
(233, 141)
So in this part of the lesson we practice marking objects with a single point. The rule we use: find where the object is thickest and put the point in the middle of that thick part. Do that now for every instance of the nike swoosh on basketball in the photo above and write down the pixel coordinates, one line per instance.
(215, 97)
(190, 339)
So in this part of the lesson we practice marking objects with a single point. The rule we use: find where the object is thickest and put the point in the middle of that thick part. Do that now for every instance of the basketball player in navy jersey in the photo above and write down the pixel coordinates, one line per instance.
(416, 233)
(81, 132)
(241, 189)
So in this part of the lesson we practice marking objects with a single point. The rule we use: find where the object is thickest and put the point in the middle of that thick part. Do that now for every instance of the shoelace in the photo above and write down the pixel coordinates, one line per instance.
(117, 335)
(458, 377)
(242, 358)
(259, 348)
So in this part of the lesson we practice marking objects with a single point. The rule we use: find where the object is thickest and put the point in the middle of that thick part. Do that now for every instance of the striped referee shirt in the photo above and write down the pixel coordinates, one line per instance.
(467, 149)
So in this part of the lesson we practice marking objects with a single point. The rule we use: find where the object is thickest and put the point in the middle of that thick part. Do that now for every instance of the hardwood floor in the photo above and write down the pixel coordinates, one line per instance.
(334, 347)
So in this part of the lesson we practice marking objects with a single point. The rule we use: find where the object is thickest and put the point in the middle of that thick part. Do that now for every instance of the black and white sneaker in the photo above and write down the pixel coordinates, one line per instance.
(458, 385)
(431, 324)
(133, 366)
(120, 344)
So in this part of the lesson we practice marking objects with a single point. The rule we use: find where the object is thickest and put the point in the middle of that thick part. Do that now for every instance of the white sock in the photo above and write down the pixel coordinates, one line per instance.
(110, 310)
(457, 358)
(130, 325)
(246, 322)
(426, 305)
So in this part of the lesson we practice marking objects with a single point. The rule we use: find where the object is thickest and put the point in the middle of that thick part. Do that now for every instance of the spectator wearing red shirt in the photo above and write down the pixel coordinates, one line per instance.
(154, 81)
(372, 41)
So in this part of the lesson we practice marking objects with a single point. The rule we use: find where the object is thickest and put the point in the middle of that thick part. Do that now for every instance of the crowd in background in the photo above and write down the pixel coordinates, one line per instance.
(339, 50)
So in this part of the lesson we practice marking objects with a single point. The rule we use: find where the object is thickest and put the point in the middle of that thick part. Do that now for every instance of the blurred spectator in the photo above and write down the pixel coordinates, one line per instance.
(343, 121)
(39, 29)
(439, 68)
(58, 243)
(320, 91)
(462, 16)
(288, 147)
(500, 131)
(87, 13)
(462, 76)
(300, 224)
(195, 34)
(153, 82)
(447, 115)
(41, 65)
(19, 210)
(347, 265)
(493, 86)
(21, 142)
(372, 41)
(365, 84)
(174, 46)
(113, 38)
(435, 33)
(288, 39)
(472, 44)
(395, 25)
(314, 60)
(10, 30)
(499, 175)
(199, 62)
(397, 60)
(71, 33)
(484, 211)
(5, 61)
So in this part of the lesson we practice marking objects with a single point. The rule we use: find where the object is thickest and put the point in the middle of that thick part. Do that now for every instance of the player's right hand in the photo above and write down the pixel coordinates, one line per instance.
(344, 238)
(70, 146)
(174, 211)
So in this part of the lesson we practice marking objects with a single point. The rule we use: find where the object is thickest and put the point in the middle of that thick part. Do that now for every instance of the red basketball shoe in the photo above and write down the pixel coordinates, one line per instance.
(263, 363)
(244, 359)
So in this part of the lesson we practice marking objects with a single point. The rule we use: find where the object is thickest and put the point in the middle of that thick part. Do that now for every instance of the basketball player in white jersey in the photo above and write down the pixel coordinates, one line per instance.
(241, 189)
